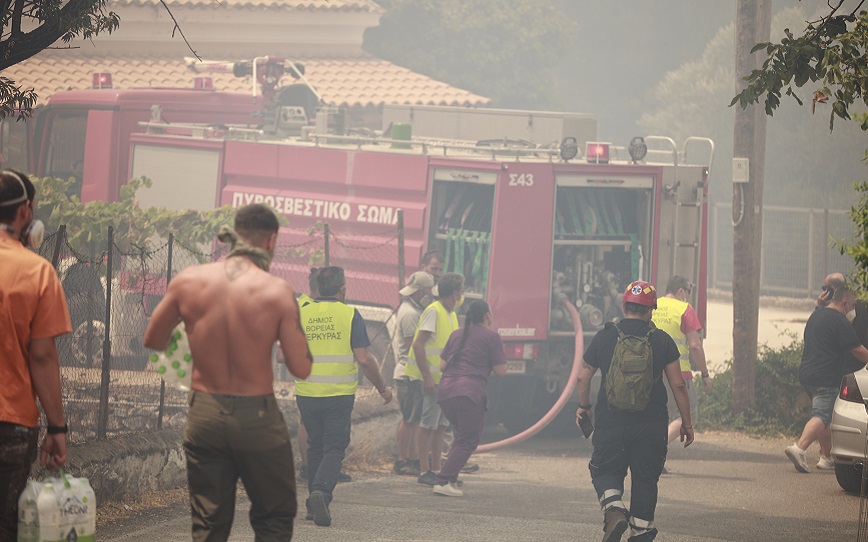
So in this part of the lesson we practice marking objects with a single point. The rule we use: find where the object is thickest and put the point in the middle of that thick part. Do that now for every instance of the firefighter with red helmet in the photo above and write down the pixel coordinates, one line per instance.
(630, 415)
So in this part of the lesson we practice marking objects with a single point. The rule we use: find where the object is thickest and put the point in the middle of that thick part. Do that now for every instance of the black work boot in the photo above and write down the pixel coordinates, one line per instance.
(614, 524)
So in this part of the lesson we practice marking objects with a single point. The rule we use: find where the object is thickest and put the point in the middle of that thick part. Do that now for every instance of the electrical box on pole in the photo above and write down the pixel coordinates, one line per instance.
(740, 170)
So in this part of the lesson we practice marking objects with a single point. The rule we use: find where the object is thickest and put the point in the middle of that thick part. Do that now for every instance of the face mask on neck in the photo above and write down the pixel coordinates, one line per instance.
(851, 315)
(32, 236)
(34, 233)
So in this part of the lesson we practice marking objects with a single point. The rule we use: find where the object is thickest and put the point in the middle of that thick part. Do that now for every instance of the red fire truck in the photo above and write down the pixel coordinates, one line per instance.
(529, 223)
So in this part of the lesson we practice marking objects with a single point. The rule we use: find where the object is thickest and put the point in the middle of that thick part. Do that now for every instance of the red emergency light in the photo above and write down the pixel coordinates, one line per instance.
(203, 83)
(525, 351)
(102, 80)
(597, 153)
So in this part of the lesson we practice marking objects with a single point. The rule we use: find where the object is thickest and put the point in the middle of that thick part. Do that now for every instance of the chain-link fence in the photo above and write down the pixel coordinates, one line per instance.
(108, 387)
(798, 249)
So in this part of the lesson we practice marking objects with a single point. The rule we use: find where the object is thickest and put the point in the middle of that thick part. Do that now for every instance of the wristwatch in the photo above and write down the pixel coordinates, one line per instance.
(57, 429)
(585, 407)
(705, 374)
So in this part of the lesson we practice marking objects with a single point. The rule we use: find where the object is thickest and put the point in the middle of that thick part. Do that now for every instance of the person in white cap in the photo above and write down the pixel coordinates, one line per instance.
(409, 390)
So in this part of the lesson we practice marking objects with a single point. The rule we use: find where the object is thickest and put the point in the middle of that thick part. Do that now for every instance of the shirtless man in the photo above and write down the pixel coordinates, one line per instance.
(234, 311)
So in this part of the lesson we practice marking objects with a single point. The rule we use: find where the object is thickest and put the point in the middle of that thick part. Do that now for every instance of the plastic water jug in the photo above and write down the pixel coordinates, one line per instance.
(48, 514)
(77, 509)
(28, 528)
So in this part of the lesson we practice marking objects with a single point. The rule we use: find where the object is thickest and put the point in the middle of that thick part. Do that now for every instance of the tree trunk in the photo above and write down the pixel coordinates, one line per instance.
(753, 22)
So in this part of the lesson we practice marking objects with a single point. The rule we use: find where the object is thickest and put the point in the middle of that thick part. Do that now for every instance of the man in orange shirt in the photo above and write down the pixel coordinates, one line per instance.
(32, 313)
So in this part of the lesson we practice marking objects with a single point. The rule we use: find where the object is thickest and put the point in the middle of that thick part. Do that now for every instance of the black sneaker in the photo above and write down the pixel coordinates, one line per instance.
(644, 537)
(344, 478)
(320, 508)
(470, 468)
(406, 468)
(427, 479)
(416, 465)
(614, 524)
(308, 515)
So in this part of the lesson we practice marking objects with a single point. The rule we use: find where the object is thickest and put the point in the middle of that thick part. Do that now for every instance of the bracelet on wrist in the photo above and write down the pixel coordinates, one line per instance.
(57, 429)
(687, 427)
(705, 375)
(585, 407)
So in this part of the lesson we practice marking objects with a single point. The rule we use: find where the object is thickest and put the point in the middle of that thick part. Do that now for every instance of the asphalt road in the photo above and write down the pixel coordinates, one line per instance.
(724, 487)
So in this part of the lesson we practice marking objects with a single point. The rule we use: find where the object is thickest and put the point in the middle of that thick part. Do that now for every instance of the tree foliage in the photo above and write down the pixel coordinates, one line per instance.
(692, 100)
(134, 227)
(508, 54)
(859, 250)
(30, 26)
(780, 409)
(832, 52)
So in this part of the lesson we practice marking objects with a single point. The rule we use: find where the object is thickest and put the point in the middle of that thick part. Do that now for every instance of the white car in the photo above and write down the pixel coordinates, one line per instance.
(849, 428)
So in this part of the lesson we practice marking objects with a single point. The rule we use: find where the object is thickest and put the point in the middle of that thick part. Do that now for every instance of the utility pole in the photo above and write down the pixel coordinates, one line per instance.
(752, 26)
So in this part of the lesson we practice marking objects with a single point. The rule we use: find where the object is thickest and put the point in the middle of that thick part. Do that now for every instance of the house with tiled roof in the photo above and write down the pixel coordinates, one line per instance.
(325, 36)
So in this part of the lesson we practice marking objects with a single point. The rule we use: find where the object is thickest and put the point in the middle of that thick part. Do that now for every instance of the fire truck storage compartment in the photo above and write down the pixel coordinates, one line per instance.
(461, 229)
(182, 178)
(600, 235)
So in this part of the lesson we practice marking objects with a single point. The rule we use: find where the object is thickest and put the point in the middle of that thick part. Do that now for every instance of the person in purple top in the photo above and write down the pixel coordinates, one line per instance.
(469, 357)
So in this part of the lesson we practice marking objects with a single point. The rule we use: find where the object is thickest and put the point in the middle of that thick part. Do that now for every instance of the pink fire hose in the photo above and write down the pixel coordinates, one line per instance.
(562, 400)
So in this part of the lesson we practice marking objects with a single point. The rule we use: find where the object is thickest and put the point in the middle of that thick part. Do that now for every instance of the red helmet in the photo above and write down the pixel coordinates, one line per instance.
(641, 293)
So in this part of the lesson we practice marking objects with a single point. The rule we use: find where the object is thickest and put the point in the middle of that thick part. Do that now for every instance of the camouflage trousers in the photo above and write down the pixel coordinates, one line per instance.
(17, 453)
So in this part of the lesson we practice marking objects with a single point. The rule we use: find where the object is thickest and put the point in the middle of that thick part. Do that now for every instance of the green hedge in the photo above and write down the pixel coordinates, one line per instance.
(782, 406)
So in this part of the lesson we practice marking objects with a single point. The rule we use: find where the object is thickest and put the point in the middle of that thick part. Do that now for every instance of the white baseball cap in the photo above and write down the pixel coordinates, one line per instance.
(418, 280)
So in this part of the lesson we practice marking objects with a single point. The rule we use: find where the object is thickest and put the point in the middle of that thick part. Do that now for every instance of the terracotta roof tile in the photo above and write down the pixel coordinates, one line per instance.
(358, 6)
(359, 81)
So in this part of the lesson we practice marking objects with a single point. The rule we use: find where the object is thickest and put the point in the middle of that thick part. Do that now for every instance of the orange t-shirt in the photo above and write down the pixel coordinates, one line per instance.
(32, 306)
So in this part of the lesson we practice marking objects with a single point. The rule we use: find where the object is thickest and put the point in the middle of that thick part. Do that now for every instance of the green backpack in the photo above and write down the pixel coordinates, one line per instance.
(631, 373)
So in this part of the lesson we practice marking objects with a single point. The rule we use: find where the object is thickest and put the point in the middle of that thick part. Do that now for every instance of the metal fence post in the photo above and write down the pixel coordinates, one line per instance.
(810, 284)
(762, 261)
(326, 233)
(61, 235)
(825, 242)
(162, 407)
(102, 422)
(400, 248)
(712, 253)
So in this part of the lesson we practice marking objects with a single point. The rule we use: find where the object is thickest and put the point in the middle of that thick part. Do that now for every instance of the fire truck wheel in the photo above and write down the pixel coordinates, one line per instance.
(86, 344)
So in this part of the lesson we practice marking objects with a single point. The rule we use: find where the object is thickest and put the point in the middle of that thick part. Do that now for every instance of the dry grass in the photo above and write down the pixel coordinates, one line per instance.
(109, 512)
(370, 455)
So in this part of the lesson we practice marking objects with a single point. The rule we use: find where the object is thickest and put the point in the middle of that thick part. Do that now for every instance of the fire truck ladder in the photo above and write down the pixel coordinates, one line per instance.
(692, 204)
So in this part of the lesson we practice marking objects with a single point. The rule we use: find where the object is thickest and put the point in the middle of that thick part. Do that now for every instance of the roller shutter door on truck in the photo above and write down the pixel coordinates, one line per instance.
(183, 178)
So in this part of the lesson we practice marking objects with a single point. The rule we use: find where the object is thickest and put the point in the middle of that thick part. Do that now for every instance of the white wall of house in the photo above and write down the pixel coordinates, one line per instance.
(220, 33)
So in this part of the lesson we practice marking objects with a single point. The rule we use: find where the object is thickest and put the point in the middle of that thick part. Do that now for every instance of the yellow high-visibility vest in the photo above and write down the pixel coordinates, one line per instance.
(667, 316)
(447, 322)
(304, 299)
(328, 326)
